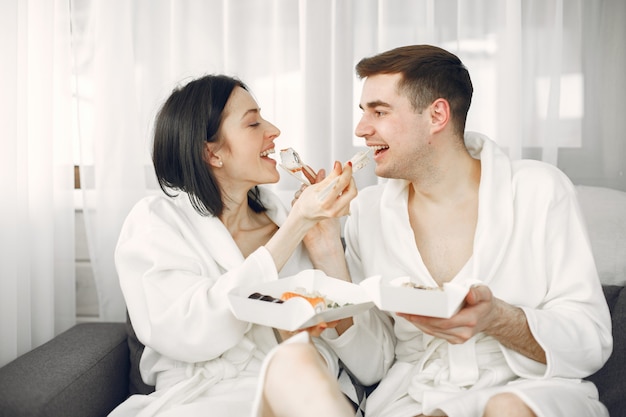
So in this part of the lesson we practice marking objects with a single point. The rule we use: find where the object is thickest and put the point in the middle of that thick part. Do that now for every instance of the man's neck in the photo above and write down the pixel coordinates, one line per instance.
(455, 182)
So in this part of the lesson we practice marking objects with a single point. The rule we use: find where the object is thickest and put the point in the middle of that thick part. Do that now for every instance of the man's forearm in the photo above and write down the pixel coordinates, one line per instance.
(512, 330)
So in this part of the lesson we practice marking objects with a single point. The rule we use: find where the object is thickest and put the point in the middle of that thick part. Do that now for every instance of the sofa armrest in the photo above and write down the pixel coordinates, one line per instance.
(81, 372)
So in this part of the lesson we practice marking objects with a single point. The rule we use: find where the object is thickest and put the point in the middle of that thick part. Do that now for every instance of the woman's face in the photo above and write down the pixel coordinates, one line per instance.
(245, 142)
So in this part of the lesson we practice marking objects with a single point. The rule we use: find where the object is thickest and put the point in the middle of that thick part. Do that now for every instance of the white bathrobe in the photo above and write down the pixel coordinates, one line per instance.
(532, 250)
(175, 268)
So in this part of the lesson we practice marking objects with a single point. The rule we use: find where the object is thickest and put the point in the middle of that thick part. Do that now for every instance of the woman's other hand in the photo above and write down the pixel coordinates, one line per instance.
(315, 205)
(314, 331)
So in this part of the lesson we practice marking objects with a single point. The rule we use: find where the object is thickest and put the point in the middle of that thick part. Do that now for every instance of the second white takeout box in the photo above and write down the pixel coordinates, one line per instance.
(391, 295)
(297, 313)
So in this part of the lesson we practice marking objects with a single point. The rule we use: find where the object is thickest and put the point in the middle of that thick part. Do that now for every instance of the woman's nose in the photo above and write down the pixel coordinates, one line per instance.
(273, 131)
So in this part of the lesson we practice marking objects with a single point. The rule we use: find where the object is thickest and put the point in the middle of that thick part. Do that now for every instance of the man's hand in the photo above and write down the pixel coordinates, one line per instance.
(474, 317)
(482, 312)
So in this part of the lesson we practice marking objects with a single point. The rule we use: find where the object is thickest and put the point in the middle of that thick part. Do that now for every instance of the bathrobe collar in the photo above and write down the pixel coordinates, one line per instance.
(214, 234)
(495, 215)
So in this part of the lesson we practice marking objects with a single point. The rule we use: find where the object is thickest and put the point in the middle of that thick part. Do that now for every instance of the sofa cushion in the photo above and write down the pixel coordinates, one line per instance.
(59, 379)
(610, 379)
(604, 210)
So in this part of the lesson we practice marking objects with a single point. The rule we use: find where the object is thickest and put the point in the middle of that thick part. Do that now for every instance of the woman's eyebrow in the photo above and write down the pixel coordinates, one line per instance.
(255, 110)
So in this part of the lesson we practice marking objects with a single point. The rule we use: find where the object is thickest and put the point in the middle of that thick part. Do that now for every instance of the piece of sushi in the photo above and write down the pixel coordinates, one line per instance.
(318, 303)
(290, 160)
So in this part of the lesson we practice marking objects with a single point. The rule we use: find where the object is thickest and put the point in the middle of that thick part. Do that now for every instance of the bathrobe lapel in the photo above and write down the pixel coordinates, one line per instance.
(491, 240)
(495, 216)
(216, 240)
(495, 207)
(397, 233)
(216, 237)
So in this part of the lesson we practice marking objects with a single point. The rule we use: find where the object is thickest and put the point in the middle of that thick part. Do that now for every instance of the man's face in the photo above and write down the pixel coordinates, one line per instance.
(395, 131)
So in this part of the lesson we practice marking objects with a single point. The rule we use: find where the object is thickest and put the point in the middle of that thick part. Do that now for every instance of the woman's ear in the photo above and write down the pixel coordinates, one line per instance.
(210, 157)
(439, 114)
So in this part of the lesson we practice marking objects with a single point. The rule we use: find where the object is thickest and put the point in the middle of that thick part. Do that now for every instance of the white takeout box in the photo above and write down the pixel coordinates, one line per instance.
(390, 295)
(297, 313)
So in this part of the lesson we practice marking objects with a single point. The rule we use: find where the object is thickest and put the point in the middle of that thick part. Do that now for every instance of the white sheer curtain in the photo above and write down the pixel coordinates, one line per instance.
(532, 62)
(37, 295)
(547, 74)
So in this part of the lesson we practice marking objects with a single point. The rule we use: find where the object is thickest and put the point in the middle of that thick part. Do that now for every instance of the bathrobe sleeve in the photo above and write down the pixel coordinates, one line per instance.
(366, 348)
(175, 269)
(571, 321)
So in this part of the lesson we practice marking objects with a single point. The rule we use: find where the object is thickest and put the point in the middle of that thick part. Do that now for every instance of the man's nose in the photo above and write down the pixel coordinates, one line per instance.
(363, 129)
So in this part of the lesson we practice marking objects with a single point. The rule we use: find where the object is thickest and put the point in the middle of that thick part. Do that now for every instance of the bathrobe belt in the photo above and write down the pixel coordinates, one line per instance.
(187, 383)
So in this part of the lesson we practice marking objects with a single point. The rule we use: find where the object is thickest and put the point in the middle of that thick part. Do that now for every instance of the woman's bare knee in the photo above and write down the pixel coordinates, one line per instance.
(298, 375)
(507, 404)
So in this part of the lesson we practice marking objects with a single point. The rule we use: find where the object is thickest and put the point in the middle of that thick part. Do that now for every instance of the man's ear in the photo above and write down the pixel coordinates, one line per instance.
(439, 114)
(210, 156)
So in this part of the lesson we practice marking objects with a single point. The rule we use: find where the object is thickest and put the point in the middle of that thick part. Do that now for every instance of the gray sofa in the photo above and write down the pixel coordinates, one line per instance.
(89, 369)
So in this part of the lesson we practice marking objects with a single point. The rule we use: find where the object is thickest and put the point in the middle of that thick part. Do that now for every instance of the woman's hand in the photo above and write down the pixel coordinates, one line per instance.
(313, 206)
(314, 331)
(323, 241)
(318, 236)
(329, 228)
(311, 203)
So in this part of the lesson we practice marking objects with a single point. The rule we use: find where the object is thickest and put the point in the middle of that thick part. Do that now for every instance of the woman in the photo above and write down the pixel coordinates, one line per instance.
(180, 253)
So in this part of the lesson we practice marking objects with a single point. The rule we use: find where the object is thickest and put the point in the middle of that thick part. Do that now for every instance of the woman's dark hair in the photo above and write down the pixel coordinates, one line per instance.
(190, 117)
(428, 73)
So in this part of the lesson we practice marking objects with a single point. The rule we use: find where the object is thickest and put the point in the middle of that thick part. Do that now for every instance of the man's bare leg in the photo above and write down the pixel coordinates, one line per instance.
(507, 405)
(298, 384)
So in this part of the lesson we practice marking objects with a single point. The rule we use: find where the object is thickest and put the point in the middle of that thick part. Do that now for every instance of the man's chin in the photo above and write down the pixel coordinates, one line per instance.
(381, 173)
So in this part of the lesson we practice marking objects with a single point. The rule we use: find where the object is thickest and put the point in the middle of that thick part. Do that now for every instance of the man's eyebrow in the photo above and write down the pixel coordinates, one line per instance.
(256, 110)
(375, 103)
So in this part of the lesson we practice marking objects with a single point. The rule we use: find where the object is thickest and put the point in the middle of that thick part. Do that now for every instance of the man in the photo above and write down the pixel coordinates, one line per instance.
(455, 208)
